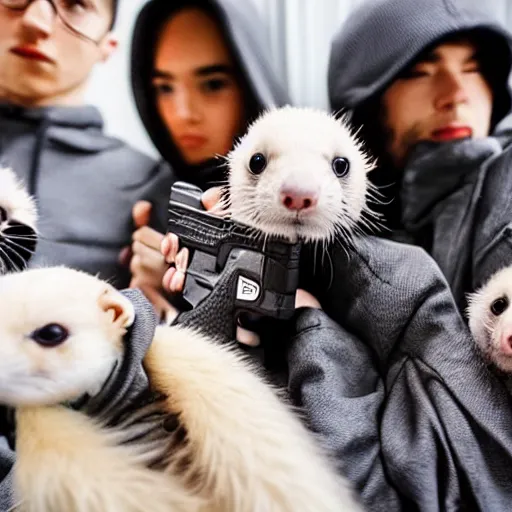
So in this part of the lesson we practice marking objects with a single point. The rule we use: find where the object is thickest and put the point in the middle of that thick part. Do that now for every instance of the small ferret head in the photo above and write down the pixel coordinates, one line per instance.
(18, 218)
(299, 173)
(61, 335)
(490, 319)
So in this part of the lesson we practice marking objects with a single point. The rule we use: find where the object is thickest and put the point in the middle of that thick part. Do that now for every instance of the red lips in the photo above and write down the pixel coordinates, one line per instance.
(451, 133)
(29, 52)
(192, 141)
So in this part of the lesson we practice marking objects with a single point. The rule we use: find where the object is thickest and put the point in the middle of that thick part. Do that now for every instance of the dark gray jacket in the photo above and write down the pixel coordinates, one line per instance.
(391, 380)
(85, 184)
(456, 204)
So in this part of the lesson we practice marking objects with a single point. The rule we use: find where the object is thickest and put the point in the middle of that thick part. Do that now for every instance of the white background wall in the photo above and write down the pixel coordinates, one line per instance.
(299, 31)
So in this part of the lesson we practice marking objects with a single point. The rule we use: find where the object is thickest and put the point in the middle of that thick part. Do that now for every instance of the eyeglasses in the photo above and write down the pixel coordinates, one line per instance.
(79, 16)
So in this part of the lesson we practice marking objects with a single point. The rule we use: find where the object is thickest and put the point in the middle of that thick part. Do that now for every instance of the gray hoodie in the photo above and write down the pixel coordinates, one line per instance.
(391, 381)
(85, 184)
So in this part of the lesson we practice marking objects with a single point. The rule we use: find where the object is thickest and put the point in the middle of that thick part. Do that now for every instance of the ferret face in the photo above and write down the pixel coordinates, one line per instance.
(17, 223)
(299, 174)
(490, 319)
(59, 335)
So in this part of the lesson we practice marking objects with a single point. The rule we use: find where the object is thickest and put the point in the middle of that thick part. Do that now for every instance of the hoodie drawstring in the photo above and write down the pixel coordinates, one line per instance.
(36, 155)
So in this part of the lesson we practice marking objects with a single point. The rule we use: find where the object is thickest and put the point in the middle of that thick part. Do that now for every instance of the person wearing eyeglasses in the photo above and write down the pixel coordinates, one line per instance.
(85, 182)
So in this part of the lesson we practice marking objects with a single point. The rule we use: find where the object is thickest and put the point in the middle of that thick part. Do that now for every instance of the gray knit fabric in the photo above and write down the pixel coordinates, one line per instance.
(395, 386)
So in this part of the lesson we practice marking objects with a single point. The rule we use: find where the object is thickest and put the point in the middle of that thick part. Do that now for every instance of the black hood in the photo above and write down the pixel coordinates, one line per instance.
(244, 32)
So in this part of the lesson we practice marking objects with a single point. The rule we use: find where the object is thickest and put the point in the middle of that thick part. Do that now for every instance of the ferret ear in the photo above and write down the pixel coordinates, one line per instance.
(122, 309)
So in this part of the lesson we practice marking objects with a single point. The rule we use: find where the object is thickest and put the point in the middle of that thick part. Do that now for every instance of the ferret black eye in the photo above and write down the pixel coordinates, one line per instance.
(50, 335)
(340, 166)
(257, 163)
(3, 214)
(499, 306)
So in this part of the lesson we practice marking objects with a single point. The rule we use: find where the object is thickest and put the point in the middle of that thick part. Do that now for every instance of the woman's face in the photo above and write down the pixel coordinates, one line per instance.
(197, 94)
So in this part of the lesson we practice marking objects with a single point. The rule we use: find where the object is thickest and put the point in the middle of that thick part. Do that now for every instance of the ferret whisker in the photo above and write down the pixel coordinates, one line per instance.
(331, 268)
(9, 259)
(11, 243)
(20, 237)
(344, 238)
(374, 191)
(373, 225)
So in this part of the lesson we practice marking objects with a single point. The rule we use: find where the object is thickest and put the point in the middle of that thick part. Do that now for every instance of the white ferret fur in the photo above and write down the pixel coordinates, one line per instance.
(489, 313)
(17, 208)
(313, 182)
(61, 332)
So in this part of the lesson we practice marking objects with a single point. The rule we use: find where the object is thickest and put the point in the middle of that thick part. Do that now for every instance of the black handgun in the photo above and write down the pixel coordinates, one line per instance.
(234, 277)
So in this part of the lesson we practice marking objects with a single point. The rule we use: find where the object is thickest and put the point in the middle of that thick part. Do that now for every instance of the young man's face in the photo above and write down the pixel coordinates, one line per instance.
(443, 97)
(197, 93)
(42, 62)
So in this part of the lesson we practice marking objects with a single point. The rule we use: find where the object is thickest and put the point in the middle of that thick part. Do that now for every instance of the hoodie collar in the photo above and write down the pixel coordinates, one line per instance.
(86, 116)
(79, 128)
(437, 170)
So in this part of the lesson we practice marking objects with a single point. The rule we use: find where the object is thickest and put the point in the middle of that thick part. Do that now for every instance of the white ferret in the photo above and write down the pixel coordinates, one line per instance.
(490, 319)
(300, 173)
(61, 333)
(17, 223)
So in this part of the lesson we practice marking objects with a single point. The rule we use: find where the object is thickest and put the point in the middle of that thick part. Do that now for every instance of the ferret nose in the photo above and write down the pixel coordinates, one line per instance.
(506, 344)
(297, 199)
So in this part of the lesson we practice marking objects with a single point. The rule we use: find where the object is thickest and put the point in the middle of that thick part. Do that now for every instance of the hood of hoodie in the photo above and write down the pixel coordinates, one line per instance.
(244, 32)
(382, 37)
(74, 129)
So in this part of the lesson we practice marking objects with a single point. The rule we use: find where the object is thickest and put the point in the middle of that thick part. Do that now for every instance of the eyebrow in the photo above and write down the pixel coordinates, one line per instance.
(202, 71)
(432, 57)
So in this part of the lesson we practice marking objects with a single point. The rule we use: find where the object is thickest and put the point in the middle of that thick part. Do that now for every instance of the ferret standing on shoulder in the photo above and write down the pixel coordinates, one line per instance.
(490, 319)
(243, 449)
(18, 218)
(300, 173)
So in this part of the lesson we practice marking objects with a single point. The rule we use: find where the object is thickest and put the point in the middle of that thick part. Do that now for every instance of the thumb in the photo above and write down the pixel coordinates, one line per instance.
(211, 197)
(141, 213)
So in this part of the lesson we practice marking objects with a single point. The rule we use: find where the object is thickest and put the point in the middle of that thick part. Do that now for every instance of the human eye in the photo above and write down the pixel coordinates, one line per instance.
(472, 67)
(74, 5)
(162, 88)
(215, 84)
(413, 73)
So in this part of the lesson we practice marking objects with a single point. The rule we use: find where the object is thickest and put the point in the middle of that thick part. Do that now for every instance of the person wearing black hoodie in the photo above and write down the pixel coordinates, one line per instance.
(85, 182)
(427, 82)
(200, 74)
